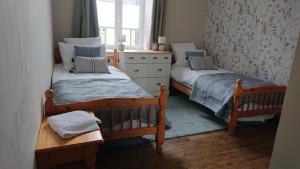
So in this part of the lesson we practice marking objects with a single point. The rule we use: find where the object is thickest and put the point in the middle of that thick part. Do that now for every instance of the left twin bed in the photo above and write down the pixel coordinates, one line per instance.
(125, 109)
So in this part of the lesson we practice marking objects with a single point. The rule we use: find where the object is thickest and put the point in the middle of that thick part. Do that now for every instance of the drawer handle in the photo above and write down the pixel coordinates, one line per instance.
(158, 84)
(131, 58)
(143, 58)
(166, 58)
(136, 70)
(155, 57)
(159, 70)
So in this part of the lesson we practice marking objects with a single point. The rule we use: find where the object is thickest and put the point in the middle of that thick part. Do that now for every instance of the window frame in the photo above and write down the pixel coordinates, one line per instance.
(119, 24)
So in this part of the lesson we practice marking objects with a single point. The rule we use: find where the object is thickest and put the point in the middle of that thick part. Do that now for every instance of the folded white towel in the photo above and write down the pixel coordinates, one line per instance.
(73, 123)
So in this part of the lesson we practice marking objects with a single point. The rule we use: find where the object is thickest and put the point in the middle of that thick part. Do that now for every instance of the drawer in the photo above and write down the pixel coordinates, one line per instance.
(153, 84)
(159, 70)
(142, 82)
(136, 70)
(166, 58)
(160, 58)
(136, 58)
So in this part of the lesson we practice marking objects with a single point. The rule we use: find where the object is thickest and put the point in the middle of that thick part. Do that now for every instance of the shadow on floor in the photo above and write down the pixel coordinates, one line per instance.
(141, 156)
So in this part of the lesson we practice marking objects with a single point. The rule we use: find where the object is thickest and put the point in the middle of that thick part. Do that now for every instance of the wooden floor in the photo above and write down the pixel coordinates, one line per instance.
(251, 148)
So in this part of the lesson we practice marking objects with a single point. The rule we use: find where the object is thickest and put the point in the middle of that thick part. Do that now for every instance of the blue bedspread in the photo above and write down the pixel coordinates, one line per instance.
(70, 91)
(74, 90)
(215, 91)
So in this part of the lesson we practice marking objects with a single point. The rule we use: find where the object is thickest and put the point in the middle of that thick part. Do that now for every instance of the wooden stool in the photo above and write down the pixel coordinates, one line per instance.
(52, 150)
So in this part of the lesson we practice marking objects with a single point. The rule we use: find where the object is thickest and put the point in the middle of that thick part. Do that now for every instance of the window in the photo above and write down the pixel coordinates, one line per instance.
(121, 17)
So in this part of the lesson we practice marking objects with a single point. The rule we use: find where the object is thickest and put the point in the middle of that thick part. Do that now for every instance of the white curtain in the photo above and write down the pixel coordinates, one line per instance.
(147, 24)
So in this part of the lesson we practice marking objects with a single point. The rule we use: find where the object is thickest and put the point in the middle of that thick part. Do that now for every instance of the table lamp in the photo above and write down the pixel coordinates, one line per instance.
(122, 39)
(162, 40)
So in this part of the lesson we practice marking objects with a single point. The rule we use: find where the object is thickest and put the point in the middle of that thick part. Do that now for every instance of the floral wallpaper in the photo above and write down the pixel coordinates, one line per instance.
(254, 37)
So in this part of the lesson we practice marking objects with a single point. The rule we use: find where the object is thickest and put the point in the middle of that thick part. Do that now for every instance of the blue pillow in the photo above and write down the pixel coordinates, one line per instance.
(90, 65)
(97, 51)
(198, 53)
(198, 60)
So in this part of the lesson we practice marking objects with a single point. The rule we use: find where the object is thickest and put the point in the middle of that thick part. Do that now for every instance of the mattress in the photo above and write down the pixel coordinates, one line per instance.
(188, 77)
(60, 73)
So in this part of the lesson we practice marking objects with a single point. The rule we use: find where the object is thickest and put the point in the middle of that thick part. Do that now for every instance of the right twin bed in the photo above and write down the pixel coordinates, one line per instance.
(231, 96)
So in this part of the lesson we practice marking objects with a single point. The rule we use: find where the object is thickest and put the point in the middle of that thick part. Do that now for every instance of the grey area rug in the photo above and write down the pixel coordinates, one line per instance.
(190, 118)
(187, 118)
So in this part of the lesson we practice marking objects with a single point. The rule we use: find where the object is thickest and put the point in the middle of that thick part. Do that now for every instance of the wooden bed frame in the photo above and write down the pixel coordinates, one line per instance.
(113, 104)
(269, 100)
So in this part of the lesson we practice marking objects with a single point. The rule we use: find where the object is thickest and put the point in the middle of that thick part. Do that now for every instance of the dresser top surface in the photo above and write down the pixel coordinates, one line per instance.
(146, 52)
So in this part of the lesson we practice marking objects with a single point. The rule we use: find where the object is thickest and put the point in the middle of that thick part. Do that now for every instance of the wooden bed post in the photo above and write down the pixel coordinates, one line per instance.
(49, 104)
(160, 135)
(237, 93)
(115, 58)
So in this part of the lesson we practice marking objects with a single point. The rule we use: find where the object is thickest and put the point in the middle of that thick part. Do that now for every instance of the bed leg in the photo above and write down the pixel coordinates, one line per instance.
(237, 93)
(160, 138)
(233, 123)
(160, 134)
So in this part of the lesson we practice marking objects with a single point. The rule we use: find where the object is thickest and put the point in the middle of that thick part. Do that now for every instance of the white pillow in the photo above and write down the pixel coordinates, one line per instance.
(67, 52)
(83, 41)
(180, 52)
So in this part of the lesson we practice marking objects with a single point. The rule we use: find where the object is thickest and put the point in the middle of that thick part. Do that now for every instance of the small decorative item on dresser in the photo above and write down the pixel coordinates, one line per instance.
(162, 40)
(154, 46)
(121, 40)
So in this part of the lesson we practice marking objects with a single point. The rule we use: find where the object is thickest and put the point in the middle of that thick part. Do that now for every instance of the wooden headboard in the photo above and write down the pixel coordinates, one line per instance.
(113, 58)
(57, 57)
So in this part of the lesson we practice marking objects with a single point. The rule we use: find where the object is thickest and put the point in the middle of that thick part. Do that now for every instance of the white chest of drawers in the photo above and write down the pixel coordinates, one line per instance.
(149, 69)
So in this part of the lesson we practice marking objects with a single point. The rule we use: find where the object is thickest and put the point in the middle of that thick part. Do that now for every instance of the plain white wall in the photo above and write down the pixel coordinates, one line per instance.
(185, 21)
(62, 13)
(25, 72)
(286, 154)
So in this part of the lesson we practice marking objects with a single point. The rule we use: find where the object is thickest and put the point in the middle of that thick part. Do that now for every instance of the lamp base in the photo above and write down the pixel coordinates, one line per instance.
(162, 47)
(121, 47)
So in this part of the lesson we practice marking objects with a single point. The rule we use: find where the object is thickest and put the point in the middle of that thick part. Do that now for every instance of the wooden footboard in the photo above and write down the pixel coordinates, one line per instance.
(248, 102)
(254, 102)
(111, 104)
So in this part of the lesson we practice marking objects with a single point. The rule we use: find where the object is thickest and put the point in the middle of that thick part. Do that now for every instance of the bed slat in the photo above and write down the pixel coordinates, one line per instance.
(102, 121)
(122, 118)
(112, 119)
(141, 116)
(149, 115)
(131, 117)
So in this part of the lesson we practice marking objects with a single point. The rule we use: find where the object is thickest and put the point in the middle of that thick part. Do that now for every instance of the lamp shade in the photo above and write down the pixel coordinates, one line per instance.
(162, 40)
(122, 38)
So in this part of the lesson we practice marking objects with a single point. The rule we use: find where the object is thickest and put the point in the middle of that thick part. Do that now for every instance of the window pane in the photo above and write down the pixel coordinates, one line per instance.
(131, 14)
(102, 33)
(132, 37)
(107, 35)
(106, 13)
(129, 23)
(110, 38)
(126, 32)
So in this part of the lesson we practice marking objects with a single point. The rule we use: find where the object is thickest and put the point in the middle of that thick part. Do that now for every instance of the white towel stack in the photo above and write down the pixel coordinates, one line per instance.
(73, 123)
